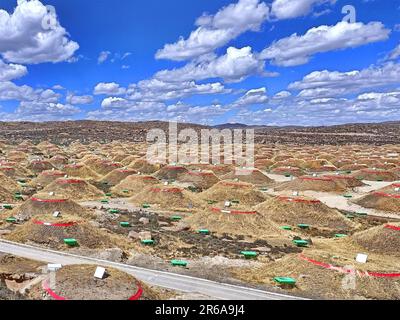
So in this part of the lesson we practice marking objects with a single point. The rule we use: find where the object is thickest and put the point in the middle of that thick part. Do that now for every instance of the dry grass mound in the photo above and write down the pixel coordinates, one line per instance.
(324, 168)
(9, 171)
(263, 164)
(303, 210)
(167, 198)
(347, 182)
(383, 239)
(170, 172)
(77, 282)
(17, 156)
(316, 164)
(292, 171)
(38, 166)
(144, 167)
(81, 171)
(220, 169)
(8, 183)
(289, 163)
(117, 175)
(58, 161)
(133, 184)
(240, 221)
(75, 189)
(6, 196)
(241, 191)
(386, 199)
(104, 167)
(13, 170)
(374, 175)
(321, 184)
(129, 159)
(253, 176)
(43, 203)
(353, 167)
(46, 177)
(52, 236)
(199, 179)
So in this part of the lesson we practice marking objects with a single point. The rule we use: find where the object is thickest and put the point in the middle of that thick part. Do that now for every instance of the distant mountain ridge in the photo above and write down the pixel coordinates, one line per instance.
(88, 131)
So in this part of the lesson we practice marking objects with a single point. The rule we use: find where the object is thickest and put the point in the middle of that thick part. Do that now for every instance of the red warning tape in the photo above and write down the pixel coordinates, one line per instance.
(48, 200)
(55, 296)
(289, 199)
(233, 211)
(65, 225)
(388, 226)
(382, 194)
(69, 181)
(9, 163)
(7, 168)
(147, 178)
(138, 293)
(339, 177)
(344, 270)
(114, 164)
(51, 292)
(172, 190)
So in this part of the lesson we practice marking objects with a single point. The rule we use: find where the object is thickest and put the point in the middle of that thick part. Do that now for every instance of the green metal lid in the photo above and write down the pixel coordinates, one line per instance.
(285, 280)
(303, 226)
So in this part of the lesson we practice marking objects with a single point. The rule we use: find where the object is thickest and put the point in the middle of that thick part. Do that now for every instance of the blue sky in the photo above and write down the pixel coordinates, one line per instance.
(276, 62)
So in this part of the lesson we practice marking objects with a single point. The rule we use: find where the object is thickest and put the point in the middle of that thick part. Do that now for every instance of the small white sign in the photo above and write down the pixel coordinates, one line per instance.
(165, 183)
(54, 266)
(56, 214)
(295, 193)
(100, 272)
(362, 258)
(227, 204)
(51, 193)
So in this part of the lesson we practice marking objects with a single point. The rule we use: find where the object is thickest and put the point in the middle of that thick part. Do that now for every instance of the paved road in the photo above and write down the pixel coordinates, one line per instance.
(158, 278)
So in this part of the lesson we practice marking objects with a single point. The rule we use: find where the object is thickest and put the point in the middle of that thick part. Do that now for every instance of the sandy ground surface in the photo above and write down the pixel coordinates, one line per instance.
(338, 201)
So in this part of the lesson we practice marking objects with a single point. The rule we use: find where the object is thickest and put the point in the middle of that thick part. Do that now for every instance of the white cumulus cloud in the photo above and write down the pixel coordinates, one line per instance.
(217, 30)
(109, 89)
(234, 66)
(299, 49)
(11, 71)
(32, 34)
